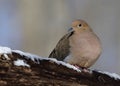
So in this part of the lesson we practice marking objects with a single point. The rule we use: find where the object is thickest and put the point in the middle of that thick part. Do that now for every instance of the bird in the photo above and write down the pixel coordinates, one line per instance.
(80, 46)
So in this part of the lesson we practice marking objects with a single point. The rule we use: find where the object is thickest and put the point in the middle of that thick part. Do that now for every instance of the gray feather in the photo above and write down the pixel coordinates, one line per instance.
(62, 48)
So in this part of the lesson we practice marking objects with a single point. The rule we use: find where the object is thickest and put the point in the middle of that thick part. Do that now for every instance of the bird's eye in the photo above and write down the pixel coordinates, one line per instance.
(79, 25)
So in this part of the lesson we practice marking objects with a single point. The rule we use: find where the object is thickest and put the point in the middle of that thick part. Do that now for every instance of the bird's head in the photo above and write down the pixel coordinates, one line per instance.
(80, 26)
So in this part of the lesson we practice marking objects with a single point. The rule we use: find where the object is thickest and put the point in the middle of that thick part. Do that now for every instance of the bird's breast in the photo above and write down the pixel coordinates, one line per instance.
(85, 48)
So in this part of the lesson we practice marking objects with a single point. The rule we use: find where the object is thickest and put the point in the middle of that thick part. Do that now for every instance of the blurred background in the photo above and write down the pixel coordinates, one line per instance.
(35, 26)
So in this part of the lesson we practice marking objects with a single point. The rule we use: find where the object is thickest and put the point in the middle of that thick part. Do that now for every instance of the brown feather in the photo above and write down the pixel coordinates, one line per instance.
(62, 48)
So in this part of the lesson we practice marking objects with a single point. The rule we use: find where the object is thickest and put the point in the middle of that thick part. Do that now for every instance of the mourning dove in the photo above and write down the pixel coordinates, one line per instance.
(80, 46)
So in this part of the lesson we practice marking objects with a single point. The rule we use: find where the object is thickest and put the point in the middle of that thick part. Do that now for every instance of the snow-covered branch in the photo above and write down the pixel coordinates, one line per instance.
(20, 68)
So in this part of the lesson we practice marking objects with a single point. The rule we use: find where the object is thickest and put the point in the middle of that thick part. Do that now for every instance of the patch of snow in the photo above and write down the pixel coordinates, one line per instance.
(20, 62)
(6, 56)
(112, 75)
(5, 50)
(69, 66)
(35, 57)
(64, 64)
(28, 55)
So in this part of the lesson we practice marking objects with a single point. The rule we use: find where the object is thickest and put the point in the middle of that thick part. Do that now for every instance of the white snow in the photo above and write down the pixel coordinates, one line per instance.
(5, 50)
(64, 64)
(33, 57)
(28, 55)
(20, 62)
(6, 56)
(112, 75)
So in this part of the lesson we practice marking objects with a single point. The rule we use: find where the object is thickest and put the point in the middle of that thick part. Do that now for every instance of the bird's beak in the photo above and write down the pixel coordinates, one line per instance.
(70, 29)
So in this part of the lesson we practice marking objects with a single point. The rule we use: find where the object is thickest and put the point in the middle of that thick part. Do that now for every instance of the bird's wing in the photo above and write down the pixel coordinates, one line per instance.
(62, 48)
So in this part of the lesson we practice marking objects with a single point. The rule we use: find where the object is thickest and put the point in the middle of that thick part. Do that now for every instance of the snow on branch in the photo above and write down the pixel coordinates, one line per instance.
(20, 68)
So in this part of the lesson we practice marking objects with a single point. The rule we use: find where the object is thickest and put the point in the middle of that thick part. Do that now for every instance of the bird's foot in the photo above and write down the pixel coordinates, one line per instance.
(84, 69)
(77, 66)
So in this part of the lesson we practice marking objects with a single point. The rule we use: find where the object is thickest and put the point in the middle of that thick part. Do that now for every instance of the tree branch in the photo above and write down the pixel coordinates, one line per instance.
(19, 68)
